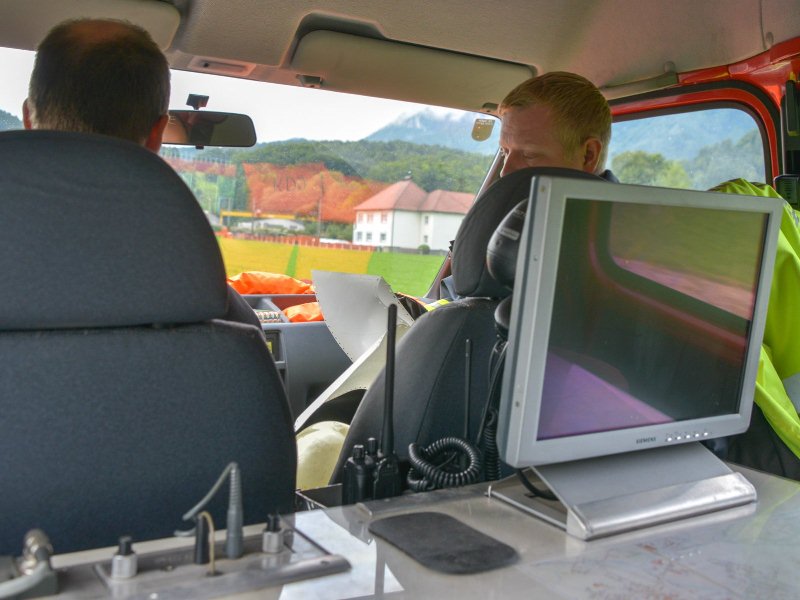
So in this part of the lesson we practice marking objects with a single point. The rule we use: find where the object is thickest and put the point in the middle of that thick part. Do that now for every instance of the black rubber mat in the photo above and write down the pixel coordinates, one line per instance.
(443, 543)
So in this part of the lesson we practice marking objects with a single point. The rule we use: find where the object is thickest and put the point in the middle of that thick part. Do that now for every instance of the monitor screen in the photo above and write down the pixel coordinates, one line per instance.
(637, 319)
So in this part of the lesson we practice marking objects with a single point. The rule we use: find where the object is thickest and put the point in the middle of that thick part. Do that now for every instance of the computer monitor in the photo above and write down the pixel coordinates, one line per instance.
(637, 319)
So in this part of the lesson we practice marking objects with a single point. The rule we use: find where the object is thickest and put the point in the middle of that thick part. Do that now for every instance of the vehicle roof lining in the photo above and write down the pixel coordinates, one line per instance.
(356, 64)
(261, 37)
(23, 23)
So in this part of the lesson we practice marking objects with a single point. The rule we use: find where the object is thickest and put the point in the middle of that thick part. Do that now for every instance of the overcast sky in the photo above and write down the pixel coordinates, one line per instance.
(279, 112)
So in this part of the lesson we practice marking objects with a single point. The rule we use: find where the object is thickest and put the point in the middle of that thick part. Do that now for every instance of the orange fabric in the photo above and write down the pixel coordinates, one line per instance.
(260, 282)
(304, 313)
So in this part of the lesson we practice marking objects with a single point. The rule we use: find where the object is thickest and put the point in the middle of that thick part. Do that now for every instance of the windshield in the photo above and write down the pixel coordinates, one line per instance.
(356, 184)
(336, 182)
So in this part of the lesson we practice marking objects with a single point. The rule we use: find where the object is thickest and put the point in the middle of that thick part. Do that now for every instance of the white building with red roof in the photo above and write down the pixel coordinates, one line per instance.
(406, 216)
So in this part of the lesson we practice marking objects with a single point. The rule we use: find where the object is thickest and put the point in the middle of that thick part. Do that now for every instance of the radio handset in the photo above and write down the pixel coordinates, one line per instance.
(373, 472)
(387, 481)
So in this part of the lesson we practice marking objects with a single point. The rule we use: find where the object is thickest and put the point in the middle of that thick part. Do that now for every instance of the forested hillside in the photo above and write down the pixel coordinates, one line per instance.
(713, 164)
(681, 136)
(302, 177)
(431, 167)
(323, 181)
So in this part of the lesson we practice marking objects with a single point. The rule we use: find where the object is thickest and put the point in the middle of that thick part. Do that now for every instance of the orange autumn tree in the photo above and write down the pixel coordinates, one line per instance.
(301, 189)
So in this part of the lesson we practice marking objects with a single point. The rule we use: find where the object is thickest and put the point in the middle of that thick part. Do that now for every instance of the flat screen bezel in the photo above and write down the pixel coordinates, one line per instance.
(537, 265)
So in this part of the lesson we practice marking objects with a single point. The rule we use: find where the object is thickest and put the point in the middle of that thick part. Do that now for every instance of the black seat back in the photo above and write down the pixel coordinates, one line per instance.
(123, 395)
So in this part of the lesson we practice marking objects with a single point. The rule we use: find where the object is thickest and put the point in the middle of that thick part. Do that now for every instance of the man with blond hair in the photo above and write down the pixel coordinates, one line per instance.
(555, 120)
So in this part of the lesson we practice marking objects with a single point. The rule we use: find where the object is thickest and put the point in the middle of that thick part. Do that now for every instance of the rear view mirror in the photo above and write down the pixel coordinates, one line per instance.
(201, 128)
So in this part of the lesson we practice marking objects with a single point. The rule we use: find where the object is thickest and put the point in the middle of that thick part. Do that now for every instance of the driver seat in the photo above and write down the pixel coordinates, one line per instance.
(441, 387)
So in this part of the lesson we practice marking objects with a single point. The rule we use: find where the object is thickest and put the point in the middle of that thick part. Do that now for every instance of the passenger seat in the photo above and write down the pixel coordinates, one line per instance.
(124, 394)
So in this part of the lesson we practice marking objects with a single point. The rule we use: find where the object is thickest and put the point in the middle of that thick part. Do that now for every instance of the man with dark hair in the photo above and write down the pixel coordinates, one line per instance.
(100, 76)
(106, 77)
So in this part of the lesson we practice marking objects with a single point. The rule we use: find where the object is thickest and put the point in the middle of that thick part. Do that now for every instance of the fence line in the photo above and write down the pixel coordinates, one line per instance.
(300, 240)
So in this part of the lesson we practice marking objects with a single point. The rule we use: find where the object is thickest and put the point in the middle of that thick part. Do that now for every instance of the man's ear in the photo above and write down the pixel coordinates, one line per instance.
(153, 141)
(591, 150)
(26, 115)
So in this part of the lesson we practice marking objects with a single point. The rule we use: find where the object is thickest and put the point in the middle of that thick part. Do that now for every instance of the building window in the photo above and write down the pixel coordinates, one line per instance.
(384, 217)
(383, 237)
(369, 217)
(425, 238)
(360, 217)
(426, 219)
(358, 236)
(369, 236)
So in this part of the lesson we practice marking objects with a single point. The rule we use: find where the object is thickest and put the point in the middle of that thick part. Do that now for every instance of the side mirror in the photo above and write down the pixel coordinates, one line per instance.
(202, 128)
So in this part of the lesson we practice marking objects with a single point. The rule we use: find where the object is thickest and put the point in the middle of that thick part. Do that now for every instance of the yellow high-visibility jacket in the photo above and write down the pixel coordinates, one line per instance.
(777, 391)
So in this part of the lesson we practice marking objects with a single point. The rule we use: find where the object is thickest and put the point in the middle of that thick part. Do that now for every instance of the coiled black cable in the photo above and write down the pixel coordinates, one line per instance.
(426, 475)
(491, 461)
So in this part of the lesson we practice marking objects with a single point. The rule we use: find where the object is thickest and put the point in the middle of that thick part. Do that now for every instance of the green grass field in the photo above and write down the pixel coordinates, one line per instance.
(249, 255)
(312, 258)
(408, 273)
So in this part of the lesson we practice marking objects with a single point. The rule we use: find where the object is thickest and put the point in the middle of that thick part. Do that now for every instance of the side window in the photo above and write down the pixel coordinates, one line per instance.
(694, 150)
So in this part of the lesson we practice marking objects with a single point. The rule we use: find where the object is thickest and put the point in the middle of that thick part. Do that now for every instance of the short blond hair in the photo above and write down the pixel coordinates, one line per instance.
(579, 109)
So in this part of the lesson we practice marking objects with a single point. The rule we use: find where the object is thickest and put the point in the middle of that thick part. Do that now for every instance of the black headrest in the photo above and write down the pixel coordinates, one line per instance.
(501, 253)
(100, 232)
(470, 274)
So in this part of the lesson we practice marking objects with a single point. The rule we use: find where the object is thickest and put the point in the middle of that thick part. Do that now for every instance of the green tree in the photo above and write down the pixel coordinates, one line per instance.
(337, 231)
(643, 168)
(241, 193)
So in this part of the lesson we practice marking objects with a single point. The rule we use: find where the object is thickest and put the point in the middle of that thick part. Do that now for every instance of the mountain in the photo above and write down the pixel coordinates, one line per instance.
(681, 136)
(676, 137)
(9, 121)
(450, 130)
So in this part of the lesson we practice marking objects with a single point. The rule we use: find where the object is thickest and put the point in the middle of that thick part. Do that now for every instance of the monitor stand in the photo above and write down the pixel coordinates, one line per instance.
(611, 494)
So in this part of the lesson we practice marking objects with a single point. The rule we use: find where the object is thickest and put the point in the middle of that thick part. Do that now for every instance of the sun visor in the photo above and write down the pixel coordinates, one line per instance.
(24, 23)
(349, 63)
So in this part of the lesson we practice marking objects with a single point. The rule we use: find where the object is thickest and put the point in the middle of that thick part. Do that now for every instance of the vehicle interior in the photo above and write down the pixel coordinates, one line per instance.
(360, 107)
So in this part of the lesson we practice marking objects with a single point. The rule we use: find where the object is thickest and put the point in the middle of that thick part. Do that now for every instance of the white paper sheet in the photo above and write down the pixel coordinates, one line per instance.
(355, 310)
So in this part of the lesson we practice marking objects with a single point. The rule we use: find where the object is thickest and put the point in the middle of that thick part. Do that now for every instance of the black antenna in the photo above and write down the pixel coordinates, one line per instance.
(467, 383)
(387, 435)
(387, 472)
